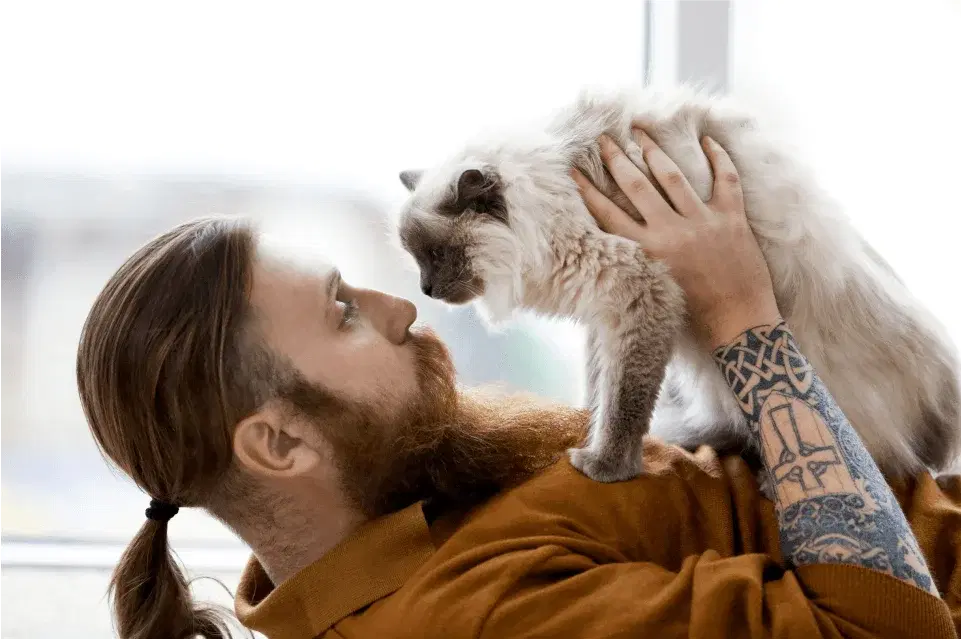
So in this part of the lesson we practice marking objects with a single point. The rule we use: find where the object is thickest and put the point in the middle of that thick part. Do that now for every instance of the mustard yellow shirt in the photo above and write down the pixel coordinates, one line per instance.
(691, 549)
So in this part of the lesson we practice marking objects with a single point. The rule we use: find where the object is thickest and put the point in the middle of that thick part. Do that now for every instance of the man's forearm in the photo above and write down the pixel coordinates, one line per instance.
(833, 504)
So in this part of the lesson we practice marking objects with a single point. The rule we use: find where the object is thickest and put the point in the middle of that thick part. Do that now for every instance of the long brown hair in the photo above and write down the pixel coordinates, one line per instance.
(164, 375)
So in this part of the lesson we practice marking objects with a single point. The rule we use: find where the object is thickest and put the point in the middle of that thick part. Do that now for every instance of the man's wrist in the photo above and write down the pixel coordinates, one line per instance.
(725, 330)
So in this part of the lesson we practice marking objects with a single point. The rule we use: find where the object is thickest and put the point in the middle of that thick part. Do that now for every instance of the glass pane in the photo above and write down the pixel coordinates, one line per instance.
(72, 602)
(130, 119)
(119, 120)
(874, 114)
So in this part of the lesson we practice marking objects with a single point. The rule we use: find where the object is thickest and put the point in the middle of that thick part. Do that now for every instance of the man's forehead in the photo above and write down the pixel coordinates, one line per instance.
(286, 278)
(280, 255)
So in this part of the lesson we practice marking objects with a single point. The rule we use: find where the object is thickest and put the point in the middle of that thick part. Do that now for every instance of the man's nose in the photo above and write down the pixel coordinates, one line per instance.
(391, 316)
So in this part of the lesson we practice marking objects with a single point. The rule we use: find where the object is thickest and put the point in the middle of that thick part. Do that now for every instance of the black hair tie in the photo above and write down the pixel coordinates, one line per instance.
(161, 511)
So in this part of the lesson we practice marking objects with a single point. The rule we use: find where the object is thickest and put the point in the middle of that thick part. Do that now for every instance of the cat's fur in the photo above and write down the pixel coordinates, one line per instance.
(529, 243)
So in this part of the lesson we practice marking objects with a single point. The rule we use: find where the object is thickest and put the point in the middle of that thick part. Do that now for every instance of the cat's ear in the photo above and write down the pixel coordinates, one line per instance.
(410, 178)
(480, 191)
(473, 184)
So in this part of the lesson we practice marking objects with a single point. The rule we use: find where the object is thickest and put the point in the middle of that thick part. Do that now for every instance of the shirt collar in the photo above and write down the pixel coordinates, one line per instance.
(371, 563)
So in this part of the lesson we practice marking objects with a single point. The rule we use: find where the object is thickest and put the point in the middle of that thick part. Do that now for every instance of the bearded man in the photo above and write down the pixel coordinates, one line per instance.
(380, 501)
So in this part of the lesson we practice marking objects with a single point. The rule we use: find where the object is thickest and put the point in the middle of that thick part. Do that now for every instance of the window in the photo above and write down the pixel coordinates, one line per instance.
(866, 92)
(123, 120)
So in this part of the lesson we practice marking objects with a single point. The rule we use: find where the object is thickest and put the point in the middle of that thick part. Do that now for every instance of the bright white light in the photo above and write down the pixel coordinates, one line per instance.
(871, 92)
(332, 91)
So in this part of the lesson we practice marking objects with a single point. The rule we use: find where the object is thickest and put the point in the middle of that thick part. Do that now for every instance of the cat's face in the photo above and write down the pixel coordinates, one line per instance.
(450, 226)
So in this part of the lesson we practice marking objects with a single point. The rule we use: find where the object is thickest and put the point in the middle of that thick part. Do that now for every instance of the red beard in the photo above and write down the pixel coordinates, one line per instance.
(447, 446)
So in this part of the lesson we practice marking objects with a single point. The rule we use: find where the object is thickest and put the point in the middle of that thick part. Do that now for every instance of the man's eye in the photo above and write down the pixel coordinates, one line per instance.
(350, 312)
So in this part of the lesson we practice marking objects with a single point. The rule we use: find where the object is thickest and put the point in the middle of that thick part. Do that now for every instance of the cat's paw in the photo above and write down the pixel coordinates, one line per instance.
(602, 468)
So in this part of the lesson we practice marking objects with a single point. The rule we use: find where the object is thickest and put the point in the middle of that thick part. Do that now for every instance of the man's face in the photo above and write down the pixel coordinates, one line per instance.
(384, 400)
(353, 342)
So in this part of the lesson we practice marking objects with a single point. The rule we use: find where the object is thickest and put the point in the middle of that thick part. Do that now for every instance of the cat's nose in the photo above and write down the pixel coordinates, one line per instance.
(426, 281)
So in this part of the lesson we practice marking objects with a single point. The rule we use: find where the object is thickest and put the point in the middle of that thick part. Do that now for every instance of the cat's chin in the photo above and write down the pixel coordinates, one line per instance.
(459, 299)
(460, 292)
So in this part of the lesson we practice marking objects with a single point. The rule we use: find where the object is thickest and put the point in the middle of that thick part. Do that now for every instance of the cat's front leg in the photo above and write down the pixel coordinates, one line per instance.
(631, 367)
(637, 311)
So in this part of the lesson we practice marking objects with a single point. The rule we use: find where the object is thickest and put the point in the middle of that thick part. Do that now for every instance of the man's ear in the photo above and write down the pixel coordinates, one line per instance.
(410, 178)
(268, 443)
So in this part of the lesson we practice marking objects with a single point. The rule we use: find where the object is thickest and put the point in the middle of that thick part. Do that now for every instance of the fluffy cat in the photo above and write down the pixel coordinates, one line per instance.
(502, 222)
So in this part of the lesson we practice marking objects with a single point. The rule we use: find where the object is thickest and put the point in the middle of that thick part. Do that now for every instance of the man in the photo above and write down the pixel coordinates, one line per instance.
(379, 501)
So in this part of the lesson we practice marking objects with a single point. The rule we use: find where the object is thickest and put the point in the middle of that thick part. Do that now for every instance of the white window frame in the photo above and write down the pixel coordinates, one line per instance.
(688, 41)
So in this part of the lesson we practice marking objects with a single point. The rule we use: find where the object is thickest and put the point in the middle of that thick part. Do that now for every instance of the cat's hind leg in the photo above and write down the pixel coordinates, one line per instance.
(678, 423)
(593, 377)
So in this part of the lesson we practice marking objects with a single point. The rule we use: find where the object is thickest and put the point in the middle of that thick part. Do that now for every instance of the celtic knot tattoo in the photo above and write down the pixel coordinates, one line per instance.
(762, 361)
(833, 504)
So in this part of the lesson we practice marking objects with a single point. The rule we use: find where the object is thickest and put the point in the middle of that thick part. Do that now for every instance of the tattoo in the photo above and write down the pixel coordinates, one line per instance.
(833, 504)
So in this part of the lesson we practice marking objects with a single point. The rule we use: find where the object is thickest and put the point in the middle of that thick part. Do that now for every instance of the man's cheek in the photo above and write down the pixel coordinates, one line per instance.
(399, 380)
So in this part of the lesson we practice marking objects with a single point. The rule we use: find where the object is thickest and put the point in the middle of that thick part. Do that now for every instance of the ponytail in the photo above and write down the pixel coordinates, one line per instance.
(151, 597)
(162, 380)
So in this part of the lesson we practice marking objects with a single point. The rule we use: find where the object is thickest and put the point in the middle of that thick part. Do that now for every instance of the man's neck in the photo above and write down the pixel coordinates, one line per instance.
(298, 534)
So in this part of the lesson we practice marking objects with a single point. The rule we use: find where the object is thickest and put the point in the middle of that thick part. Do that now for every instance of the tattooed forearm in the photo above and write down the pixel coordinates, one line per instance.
(833, 504)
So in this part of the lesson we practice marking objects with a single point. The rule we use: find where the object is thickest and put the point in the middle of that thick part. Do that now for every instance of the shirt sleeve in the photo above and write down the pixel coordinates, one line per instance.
(710, 596)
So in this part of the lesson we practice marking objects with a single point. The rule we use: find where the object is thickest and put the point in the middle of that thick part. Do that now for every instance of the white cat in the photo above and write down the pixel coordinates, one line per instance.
(502, 221)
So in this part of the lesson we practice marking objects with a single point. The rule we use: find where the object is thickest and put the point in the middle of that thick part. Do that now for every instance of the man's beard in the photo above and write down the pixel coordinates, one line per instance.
(448, 446)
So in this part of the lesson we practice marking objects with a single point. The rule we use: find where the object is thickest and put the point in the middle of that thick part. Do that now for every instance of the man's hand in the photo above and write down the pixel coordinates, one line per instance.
(709, 247)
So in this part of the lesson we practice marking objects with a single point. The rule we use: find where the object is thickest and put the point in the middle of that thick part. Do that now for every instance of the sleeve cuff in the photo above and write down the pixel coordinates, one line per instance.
(876, 601)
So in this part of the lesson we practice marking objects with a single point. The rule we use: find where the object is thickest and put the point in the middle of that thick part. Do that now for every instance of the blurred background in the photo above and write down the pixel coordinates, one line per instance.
(121, 119)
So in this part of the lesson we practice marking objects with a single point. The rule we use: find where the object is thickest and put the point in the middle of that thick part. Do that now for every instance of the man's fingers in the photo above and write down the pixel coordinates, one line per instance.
(727, 196)
(610, 218)
(672, 181)
(635, 185)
